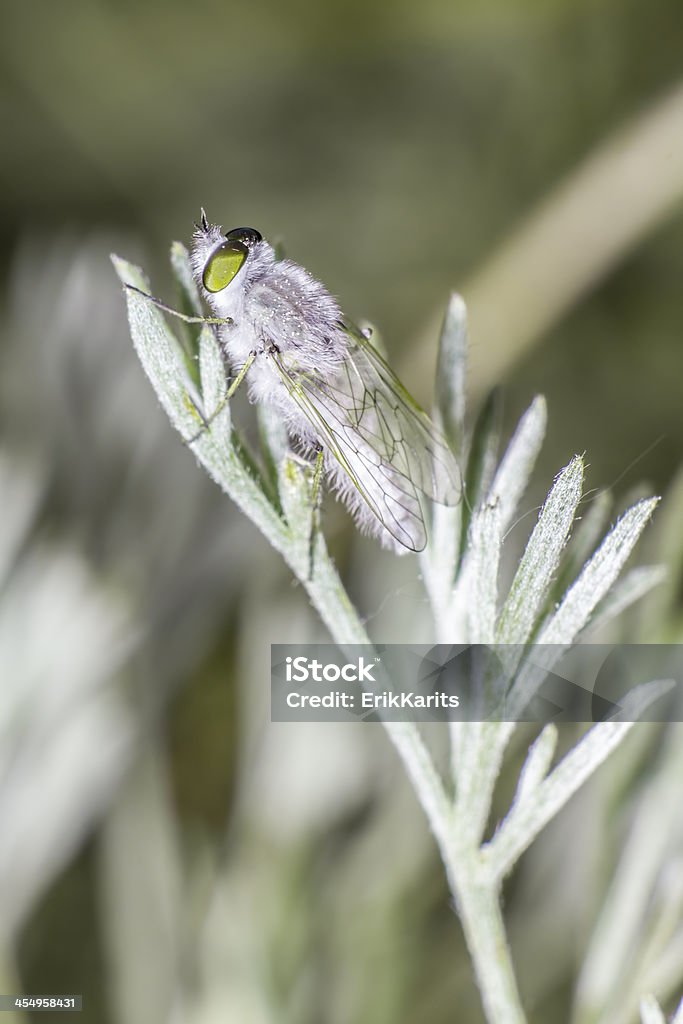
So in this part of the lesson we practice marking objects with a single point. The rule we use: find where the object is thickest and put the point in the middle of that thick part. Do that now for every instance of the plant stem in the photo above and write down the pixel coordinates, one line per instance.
(477, 898)
(472, 883)
(329, 598)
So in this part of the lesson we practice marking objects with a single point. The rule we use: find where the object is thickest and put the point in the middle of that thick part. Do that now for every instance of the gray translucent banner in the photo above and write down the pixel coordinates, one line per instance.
(476, 683)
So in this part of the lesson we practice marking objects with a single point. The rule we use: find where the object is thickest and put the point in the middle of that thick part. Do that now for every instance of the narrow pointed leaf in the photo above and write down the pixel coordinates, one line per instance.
(633, 706)
(537, 764)
(630, 904)
(483, 450)
(274, 446)
(159, 352)
(273, 434)
(295, 497)
(526, 819)
(481, 572)
(180, 262)
(451, 370)
(189, 303)
(598, 576)
(213, 379)
(625, 592)
(517, 464)
(590, 526)
(481, 462)
(541, 557)
(650, 1012)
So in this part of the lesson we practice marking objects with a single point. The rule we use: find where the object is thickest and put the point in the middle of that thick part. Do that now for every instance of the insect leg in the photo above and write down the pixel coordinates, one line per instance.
(174, 312)
(240, 377)
(228, 395)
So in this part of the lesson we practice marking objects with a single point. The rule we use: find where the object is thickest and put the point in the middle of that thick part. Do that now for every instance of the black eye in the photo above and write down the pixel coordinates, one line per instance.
(248, 236)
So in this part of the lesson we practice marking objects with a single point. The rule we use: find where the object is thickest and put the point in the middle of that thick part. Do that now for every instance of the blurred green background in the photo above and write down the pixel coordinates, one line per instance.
(176, 857)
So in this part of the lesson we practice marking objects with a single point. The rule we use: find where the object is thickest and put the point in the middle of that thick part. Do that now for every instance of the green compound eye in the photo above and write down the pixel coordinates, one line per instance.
(223, 264)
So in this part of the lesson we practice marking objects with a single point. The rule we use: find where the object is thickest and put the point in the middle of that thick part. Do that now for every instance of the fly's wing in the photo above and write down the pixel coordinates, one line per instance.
(420, 451)
(384, 441)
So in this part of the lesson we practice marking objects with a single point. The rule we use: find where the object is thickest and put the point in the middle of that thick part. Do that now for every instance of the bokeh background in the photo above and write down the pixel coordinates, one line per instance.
(163, 849)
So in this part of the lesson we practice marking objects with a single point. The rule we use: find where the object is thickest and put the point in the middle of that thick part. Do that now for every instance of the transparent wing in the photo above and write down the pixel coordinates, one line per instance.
(384, 441)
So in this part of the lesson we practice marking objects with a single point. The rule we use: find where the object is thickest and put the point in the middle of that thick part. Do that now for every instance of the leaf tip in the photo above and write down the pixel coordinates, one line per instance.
(571, 477)
(127, 272)
(119, 265)
(457, 308)
(539, 406)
